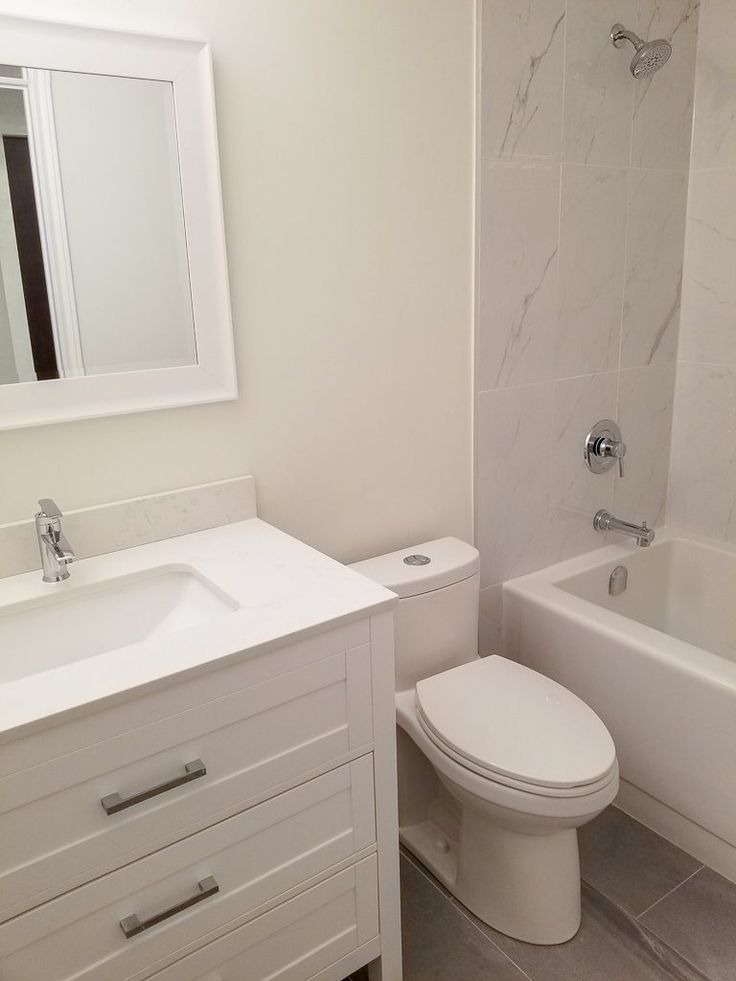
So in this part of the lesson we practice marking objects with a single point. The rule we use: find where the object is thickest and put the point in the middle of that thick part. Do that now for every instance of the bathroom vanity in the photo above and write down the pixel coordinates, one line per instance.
(197, 727)
(197, 766)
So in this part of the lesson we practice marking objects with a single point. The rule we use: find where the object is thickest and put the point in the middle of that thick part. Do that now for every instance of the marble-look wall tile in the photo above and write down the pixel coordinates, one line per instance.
(125, 524)
(708, 332)
(702, 491)
(512, 499)
(580, 265)
(714, 130)
(646, 397)
(522, 78)
(598, 94)
(518, 275)
(663, 104)
(657, 204)
(490, 627)
(592, 260)
(576, 493)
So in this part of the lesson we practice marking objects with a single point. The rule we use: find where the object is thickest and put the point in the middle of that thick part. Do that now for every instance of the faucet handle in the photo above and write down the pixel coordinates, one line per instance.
(612, 448)
(49, 508)
(604, 446)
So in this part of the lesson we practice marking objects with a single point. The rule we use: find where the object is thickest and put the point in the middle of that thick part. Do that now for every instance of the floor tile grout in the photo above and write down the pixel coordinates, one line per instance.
(669, 892)
(669, 943)
(461, 910)
(454, 903)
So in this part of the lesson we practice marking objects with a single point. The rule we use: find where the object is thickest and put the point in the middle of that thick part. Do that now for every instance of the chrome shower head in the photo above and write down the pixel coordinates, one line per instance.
(649, 56)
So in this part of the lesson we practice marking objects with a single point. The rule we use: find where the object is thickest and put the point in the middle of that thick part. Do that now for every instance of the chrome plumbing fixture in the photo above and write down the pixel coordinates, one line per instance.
(56, 553)
(603, 521)
(649, 56)
(604, 446)
(618, 581)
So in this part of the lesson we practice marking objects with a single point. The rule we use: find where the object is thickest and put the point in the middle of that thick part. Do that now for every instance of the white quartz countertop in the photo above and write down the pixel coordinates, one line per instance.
(281, 591)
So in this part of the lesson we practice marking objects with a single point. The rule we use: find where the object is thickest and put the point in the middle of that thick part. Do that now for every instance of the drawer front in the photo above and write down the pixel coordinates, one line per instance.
(296, 940)
(171, 901)
(72, 819)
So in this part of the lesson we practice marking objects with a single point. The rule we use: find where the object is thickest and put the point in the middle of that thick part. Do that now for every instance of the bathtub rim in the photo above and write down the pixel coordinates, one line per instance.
(542, 587)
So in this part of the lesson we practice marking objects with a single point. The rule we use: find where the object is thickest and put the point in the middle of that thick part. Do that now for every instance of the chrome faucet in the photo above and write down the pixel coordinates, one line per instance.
(603, 521)
(56, 553)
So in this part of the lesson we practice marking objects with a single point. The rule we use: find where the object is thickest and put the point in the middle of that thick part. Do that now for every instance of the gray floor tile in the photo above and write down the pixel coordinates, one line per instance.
(699, 920)
(610, 946)
(440, 943)
(630, 864)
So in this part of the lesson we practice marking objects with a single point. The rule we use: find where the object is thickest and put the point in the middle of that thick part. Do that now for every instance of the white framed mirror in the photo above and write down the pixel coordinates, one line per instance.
(114, 292)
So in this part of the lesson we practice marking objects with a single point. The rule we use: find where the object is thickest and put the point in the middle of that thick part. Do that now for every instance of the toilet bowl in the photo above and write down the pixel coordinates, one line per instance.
(498, 765)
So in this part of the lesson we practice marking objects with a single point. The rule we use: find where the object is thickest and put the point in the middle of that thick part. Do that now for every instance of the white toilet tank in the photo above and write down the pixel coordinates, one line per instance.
(436, 621)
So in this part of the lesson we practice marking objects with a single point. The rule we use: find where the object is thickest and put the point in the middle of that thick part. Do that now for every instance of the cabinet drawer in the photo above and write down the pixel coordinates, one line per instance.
(213, 878)
(296, 940)
(253, 740)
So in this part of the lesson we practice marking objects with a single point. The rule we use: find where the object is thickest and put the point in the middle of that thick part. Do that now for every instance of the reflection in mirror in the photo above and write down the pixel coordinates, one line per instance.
(94, 273)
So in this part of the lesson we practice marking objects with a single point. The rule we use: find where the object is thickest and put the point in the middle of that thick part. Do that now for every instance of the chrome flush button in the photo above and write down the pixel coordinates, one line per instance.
(417, 560)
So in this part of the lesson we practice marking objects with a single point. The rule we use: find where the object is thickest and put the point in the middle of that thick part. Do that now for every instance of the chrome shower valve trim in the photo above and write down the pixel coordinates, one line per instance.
(603, 447)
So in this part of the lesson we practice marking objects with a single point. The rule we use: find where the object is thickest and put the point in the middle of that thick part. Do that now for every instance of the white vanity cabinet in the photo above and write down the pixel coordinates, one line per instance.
(239, 822)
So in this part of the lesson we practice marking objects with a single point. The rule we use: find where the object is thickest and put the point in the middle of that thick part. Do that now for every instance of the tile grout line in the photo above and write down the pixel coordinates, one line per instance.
(669, 893)
(461, 910)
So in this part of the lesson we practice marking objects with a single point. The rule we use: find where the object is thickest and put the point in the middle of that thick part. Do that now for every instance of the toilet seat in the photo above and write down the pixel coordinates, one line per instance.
(514, 726)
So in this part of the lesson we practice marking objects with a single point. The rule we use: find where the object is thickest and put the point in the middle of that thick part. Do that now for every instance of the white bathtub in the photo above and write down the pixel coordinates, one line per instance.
(658, 664)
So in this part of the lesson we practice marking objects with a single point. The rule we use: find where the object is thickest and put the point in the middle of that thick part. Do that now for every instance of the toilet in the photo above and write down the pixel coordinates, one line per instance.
(498, 765)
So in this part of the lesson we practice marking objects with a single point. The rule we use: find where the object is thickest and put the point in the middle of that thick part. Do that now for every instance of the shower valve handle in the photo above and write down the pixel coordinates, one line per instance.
(613, 448)
(604, 446)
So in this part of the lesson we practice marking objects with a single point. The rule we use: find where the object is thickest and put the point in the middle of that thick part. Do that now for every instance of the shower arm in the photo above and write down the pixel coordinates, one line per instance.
(619, 34)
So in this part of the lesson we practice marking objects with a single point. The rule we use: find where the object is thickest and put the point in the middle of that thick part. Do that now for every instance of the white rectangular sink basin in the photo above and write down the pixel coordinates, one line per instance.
(49, 632)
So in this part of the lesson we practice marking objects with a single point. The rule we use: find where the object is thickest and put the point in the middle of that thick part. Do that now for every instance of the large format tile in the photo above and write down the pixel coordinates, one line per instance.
(519, 228)
(598, 94)
(439, 942)
(522, 78)
(657, 206)
(630, 864)
(512, 472)
(702, 488)
(576, 493)
(698, 920)
(714, 130)
(663, 103)
(708, 331)
(592, 247)
(646, 397)
(610, 946)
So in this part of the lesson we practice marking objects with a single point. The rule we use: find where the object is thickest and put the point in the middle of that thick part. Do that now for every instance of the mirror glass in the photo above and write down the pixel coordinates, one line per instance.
(94, 274)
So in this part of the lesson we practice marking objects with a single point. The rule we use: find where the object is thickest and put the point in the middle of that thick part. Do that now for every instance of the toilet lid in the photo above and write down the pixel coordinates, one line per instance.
(509, 720)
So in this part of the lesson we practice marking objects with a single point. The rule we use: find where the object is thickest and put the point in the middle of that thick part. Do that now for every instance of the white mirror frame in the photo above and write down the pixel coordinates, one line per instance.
(188, 66)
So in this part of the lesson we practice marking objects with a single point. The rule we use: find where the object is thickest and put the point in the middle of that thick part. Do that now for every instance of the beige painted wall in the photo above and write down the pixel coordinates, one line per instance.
(346, 139)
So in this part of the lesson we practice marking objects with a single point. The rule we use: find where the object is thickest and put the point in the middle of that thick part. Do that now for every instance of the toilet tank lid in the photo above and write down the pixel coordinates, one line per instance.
(450, 561)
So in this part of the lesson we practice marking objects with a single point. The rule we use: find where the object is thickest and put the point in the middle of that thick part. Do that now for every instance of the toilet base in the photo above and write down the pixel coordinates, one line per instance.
(524, 885)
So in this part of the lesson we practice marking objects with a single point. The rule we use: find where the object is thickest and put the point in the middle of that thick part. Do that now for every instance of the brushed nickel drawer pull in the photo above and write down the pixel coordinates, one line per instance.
(115, 802)
(132, 925)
